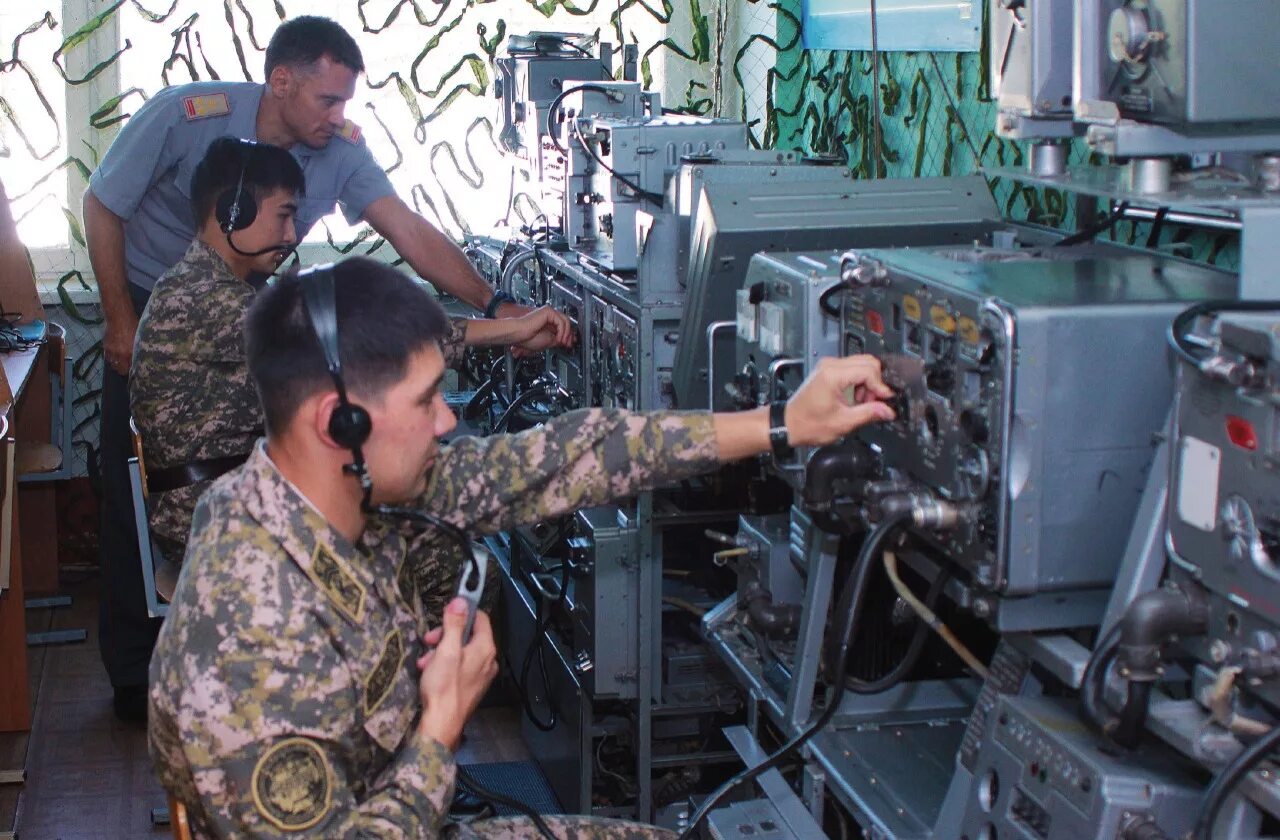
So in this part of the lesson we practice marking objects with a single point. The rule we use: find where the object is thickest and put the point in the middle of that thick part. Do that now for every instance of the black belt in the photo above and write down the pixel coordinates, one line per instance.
(184, 475)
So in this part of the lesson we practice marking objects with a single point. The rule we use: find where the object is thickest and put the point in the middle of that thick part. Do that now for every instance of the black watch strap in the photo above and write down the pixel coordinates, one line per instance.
(499, 298)
(779, 440)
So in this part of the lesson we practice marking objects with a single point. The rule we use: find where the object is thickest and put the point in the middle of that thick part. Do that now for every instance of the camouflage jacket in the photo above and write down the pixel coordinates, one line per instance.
(283, 685)
(189, 386)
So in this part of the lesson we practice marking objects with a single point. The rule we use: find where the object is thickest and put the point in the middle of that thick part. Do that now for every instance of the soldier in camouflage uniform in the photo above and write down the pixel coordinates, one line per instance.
(296, 688)
(189, 388)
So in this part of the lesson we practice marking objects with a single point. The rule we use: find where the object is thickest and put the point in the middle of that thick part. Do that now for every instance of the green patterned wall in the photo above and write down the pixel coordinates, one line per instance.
(72, 72)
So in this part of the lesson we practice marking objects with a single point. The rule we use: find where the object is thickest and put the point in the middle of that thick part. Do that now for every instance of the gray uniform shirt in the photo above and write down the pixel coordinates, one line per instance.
(145, 177)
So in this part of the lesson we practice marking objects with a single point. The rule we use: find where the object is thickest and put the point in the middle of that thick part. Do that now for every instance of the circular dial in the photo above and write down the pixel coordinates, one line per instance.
(975, 472)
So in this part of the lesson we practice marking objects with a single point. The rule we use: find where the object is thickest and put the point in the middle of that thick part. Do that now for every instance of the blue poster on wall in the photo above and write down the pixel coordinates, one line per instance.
(901, 25)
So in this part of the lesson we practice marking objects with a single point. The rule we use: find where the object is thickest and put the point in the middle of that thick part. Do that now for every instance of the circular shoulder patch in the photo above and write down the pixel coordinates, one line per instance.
(293, 784)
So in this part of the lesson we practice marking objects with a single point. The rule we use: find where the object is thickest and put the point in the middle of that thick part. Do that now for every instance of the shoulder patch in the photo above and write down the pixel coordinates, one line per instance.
(331, 575)
(293, 784)
(207, 105)
(406, 582)
(350, 132)
(378, 684)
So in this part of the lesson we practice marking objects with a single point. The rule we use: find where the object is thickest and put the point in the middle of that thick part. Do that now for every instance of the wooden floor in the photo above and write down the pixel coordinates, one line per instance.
(89, 775)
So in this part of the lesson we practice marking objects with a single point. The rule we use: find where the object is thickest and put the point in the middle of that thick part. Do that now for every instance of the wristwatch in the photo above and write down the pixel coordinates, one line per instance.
(779, 440)
(499, 298)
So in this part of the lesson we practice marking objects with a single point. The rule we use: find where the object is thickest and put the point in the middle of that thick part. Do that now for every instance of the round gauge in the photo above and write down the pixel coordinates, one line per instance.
(1129, 38)
(974, 471)
(1241, 530)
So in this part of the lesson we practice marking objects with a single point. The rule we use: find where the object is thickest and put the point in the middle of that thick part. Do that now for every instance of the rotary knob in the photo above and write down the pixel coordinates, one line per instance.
(1241, 531)
(1130, 36)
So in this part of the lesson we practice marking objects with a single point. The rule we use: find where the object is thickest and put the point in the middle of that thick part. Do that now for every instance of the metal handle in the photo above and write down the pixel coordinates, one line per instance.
(713, 328)
(775, 369)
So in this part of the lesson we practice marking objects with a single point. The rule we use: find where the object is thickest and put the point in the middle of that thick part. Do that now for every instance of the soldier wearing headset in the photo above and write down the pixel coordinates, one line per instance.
(139, 222)
(296, 687)
(189, 388)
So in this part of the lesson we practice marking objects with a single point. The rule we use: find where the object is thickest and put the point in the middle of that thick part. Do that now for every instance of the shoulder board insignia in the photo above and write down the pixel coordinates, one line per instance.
(337, 581)
(207, 105)
(293, 784)
(350, 132)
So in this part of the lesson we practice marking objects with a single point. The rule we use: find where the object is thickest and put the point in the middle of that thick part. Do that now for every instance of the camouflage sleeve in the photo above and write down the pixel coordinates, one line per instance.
(265, 741)
(453, 343)
(584, 458)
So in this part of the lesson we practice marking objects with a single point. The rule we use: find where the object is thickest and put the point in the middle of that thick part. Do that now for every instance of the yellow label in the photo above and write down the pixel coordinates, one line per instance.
(208, 105)
(350, 132)
(911, 307)
(942, 319)
(968, 330)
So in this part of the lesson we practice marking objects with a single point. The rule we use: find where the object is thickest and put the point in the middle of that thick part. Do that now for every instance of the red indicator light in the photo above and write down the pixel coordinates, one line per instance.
(875, 322)
(1240, 432)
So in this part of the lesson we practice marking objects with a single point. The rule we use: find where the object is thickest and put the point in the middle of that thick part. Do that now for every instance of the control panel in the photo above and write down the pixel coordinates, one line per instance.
(1009, 401)
(1042, 774)
(1224, 496)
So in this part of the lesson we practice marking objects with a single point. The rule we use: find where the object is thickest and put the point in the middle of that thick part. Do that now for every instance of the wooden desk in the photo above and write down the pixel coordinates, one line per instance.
(15, 704)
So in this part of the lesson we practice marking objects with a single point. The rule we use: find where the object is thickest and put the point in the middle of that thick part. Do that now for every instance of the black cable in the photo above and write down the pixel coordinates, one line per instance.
(453, 532)
(1090, 233)
(914, 648)
(527, 396)
(541, 626)
(655, 198)
(11, 337)
(589, 54)
(1177, 334)
(494, 798)
(555, 103)
(835, 692)
(824, 299)
(1094, 681)
(1225, 782)
(1157, 225)
(279, 246)
(485, 392)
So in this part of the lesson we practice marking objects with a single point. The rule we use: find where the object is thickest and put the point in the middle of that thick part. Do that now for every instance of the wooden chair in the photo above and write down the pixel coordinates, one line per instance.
(39, 461)
(178, 820)
(52, 461)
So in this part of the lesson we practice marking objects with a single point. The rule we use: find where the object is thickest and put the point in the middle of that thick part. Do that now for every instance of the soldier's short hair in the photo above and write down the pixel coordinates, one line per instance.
(302, 41)
(384, 317)
(265, 168)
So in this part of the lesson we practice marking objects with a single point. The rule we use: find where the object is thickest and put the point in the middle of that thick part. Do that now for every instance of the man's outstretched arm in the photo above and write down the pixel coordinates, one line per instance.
(595, 456)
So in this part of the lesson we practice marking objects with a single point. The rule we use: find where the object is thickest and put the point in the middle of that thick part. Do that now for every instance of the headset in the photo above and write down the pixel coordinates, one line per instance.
(350, 426)
(237, 210)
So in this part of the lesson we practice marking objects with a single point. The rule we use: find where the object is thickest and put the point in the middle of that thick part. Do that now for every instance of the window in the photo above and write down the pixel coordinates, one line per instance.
(425, 104)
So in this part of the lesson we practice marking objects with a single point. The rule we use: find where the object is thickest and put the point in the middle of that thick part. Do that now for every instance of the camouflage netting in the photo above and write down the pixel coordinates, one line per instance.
(71, 77)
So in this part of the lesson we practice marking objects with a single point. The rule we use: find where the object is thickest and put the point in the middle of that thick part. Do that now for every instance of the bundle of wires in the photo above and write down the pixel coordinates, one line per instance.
(14, 338)
(849, 611)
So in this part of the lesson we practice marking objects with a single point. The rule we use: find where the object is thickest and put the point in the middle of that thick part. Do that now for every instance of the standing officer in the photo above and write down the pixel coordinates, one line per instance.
(139, 222)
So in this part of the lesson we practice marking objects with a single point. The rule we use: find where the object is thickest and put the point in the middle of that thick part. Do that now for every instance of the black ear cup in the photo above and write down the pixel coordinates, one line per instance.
(236, 209)
(350, 425)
